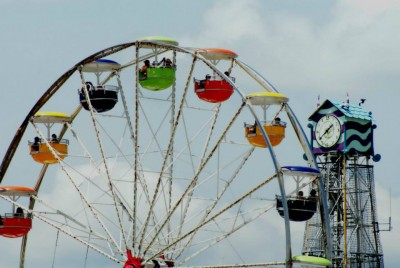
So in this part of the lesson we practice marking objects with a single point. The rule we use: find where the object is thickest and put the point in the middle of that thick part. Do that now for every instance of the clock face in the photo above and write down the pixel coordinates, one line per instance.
(328, 131)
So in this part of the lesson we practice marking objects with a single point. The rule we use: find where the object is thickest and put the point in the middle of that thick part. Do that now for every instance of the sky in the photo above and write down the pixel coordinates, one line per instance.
(306, 49)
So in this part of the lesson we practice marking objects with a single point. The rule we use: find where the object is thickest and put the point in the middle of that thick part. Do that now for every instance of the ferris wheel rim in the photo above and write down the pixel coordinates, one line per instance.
(97, 56)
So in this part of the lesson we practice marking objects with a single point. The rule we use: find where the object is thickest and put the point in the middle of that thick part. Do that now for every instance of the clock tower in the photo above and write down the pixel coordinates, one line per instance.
(342, 141)
(342, 127)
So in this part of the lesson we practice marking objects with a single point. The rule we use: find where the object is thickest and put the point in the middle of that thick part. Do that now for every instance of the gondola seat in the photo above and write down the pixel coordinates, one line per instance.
(15, 225)
(41, 152)
(300, 209)
(103, 98)
(276, 133)
(213, 90)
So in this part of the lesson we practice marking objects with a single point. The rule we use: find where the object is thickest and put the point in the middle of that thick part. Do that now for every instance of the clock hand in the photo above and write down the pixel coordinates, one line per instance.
(326, 131)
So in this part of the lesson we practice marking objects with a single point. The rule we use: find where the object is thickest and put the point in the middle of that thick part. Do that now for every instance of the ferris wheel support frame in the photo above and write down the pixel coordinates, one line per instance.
(266, 85)
(307, 149)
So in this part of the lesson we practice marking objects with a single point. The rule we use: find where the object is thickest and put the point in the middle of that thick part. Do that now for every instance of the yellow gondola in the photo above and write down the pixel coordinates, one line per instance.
(39, 149)
(274, 129)
(43, 154)
(276, 133)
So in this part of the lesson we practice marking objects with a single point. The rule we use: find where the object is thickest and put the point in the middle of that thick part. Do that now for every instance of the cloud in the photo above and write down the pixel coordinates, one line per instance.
(354, 47)
(371, 7)
(226, 23)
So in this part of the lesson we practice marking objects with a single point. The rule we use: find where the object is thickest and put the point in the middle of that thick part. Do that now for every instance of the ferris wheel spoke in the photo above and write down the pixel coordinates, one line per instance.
(195, 177)
(38, 184)
(76, 237)
(77, 188)
(215, 117)
(188, 143)
(67, 228)
(154, 133)
(119, 196)
(103, 155)
(54, 88)
(177, 157)
(201, 164)
(220, 192)
(213, 204)
(218, 214)
(140, 179)
(168, 151)
(218, 239)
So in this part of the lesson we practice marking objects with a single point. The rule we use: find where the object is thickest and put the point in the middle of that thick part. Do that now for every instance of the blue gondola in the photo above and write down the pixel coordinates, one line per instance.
(102, 97)
(300, 208)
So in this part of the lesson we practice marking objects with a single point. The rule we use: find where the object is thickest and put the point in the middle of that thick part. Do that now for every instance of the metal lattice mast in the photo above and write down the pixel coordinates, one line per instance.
(350, 187)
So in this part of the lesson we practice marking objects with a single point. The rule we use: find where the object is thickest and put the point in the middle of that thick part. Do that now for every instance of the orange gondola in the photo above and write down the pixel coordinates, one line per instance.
(275, 132)
(41, 153)
(40, 148)
(275, 129)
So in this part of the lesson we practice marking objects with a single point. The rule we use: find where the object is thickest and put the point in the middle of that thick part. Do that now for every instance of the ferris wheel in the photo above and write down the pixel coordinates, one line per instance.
(151, 154)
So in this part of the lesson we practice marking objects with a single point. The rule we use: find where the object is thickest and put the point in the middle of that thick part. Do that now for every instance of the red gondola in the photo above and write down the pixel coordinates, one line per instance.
(213, 90)
(13, 225)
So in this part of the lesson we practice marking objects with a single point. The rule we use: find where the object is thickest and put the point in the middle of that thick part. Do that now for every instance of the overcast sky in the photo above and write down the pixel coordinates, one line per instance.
(306, 48)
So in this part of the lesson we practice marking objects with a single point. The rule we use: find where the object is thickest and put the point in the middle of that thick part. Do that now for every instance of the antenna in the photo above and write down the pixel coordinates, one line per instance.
(390, 209)
(346, 104)
(389, 224)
